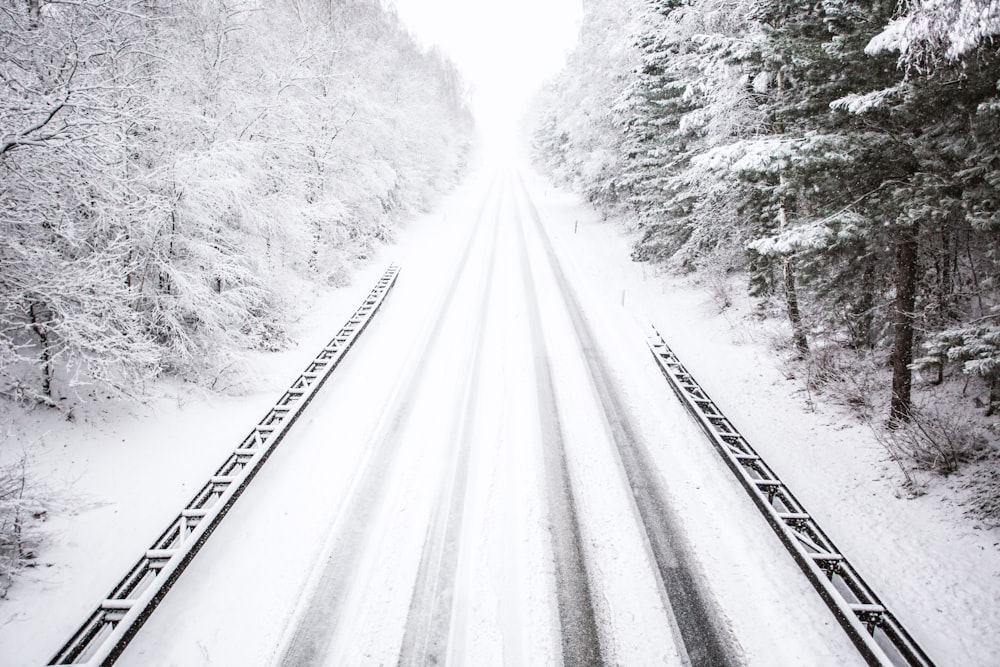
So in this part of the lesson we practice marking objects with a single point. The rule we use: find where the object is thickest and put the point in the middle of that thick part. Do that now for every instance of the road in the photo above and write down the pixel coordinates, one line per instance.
(485, 481)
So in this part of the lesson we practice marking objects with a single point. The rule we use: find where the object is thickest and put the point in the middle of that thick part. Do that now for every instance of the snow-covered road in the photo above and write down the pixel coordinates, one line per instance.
(486, 480)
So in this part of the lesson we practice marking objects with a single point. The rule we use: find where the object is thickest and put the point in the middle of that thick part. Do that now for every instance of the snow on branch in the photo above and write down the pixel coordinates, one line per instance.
(767, 154)
(862, 103)
(974, 348)
(170, 172)
(811, 235)
(930, 29)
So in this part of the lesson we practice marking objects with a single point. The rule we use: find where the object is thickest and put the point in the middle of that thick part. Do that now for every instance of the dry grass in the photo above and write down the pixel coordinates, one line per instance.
(847, 378)
(938, 442)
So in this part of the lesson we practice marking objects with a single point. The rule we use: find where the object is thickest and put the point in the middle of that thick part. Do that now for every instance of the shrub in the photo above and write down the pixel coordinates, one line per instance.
(21, 508)
(936, 442)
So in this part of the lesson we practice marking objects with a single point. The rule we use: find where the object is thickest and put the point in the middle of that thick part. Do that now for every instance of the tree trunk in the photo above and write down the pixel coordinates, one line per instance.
(943, 290)
(34, 14)
(792, 303)
(991, 409)
(791, 294)
(903, 317)
(862, 319)
(46, 356)
(946, 282)
(317, 242)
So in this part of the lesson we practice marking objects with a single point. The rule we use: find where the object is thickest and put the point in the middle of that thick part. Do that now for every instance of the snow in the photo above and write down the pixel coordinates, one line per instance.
(381, 465)
(958, 25)
(863, 103)
(937, 570)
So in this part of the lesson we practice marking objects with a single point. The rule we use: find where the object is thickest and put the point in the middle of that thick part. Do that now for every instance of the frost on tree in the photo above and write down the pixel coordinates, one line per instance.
(170, 172)
(930, 30)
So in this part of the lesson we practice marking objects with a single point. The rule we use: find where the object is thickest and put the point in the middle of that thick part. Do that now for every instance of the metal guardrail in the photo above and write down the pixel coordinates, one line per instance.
(108, 630)
(876, 633)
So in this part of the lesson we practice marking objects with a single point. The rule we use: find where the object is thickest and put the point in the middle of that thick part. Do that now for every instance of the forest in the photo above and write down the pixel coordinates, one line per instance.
(171, 171)
(842, 157)
(174, 174)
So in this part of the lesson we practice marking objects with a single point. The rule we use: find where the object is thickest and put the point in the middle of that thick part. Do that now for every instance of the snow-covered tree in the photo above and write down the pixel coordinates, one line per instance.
(695, 97)
(929, 31)
(577, 139)
(170, 171)
(864, 192)
(72, 95)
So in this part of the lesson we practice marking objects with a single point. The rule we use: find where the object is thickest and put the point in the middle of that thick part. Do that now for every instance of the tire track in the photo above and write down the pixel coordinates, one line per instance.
(578, 624)
(316, 622)
(426, 635)
(707, 642)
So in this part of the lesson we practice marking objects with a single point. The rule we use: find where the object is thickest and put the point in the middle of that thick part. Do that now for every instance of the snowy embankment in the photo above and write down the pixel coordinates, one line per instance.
(124, 475)
(115, 477)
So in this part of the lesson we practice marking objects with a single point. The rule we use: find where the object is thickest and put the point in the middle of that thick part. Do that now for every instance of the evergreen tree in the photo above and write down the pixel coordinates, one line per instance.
(794, 133)
(576, 139)
(648, 116)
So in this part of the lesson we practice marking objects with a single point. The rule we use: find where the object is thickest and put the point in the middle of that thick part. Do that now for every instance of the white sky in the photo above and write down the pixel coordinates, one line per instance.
(505, 48)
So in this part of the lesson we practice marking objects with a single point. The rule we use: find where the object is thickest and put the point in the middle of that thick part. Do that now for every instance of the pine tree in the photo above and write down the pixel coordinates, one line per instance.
(648, 115)
(795, 133)
(575, 139)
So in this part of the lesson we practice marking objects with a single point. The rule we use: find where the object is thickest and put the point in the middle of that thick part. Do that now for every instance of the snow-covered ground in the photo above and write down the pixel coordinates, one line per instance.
(414, 511)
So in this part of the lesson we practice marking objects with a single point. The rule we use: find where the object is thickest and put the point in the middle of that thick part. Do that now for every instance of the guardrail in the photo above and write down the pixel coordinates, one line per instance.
(876, 633)
(108, 630)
